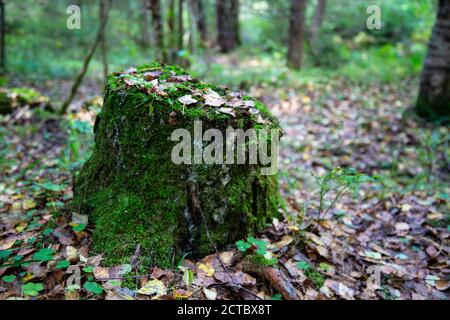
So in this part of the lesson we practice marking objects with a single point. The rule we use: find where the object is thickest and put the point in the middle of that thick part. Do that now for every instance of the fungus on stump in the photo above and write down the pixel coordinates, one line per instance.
(136, 195)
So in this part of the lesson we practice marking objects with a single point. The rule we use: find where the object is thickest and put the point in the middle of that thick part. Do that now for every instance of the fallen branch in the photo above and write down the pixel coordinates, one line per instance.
(272, 275)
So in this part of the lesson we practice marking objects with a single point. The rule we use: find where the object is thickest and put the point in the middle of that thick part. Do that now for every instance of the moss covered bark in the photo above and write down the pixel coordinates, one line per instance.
(136, 195)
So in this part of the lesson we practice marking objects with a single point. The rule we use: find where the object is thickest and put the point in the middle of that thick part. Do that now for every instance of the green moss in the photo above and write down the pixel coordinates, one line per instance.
(135, 195)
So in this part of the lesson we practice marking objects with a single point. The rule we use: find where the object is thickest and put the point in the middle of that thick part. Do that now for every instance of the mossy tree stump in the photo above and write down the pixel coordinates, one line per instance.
(136, 195)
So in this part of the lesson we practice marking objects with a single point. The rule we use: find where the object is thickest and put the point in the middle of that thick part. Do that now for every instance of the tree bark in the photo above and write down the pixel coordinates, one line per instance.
(319, 14)
(434, 95)
(155, 7)
(87, 60)
(227, 24)
(296, 34)
(2, 37)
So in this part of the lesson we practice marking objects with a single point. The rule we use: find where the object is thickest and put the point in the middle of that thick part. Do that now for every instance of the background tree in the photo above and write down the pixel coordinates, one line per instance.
(318, 17)
(103, 49)
(200, 19)
(434, 95)
(180, 32)
(145, 40)
(158, 31)
(227, 24)
(171, 16)
(87, 60)
(296, 34)
(2, 37)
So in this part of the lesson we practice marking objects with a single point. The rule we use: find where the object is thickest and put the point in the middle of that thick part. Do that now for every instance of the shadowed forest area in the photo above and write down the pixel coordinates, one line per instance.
(94, 206)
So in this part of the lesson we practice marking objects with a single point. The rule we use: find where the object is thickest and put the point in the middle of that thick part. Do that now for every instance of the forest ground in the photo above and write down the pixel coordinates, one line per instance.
(389, 242)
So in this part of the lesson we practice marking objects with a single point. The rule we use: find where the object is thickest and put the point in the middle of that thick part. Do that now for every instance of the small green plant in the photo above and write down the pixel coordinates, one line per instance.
(32, 289)
(258, 251)
(315, 276)
(44, 255)
(334, 184)
(93, 287)
(9, 279)
(63, 264)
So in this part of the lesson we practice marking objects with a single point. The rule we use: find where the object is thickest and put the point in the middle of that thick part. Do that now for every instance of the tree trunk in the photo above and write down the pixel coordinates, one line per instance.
(200, 19)
(180, 32)
(136, 194)
(103, 49)
(434, 95)
(296, 34)
(172, 50)
(155, 7)
(192, 27)
(145, 40)
(235, 15)
(319, 14)
(2, 38)
(227, 24)
(87, 60)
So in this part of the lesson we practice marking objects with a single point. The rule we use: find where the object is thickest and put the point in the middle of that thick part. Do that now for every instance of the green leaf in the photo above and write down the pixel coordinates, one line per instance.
(93, 287)
(44, 254)
(126, 268)
(9, 279)
(188, 277)
(63, 264)
(51, 186)
(32, 289)
(88, 269)
(48, 231)
(243, 246)
(302, 265)
(79, 227)
(73, 287)
(5, 254)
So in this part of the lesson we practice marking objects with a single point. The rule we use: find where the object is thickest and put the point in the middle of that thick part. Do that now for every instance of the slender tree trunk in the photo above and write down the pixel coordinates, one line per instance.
(296, 34)
(87, 60)
(180, 32)
(434, 94)
(227, 24)
(155, 6)
(2, 38)
(103, 49)
(235, 15)
(172, 34)
(319, 14)
(198, 13)
(145, 40)
(201, 20)
(192, 27)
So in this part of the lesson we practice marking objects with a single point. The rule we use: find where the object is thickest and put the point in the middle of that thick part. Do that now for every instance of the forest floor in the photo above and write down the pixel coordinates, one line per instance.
(390, 241)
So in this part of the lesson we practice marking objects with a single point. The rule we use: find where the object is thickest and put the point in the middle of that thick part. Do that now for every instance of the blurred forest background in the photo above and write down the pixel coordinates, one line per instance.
(39, 45)
(344, 95)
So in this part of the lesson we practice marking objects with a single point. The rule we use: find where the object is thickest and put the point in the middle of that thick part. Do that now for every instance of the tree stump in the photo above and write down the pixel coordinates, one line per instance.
(136, 194)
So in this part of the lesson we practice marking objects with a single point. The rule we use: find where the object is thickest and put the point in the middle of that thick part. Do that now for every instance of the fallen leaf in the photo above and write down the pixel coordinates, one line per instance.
(187, 100)
(153, 287)
(207, 268)
(210, 294)
(213, 99)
